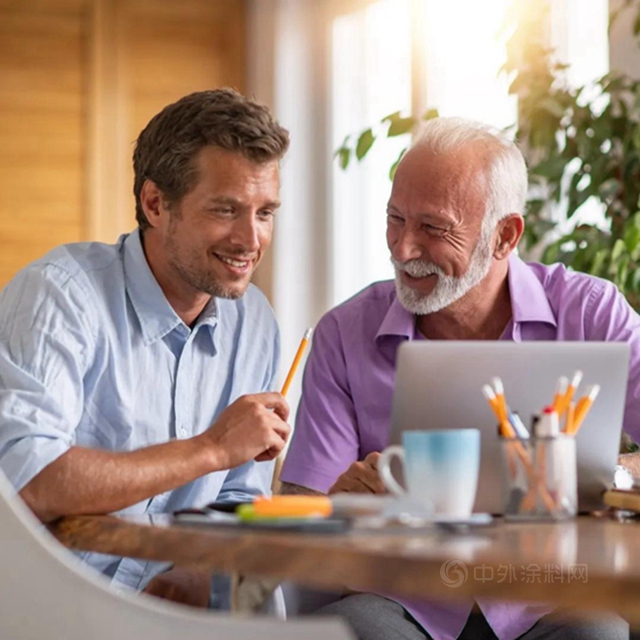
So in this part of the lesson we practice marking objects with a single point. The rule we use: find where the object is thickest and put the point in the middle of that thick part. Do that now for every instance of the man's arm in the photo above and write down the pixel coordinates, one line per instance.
(361, 477)
(291, 489)
(90, 481)
(179, 584)
(326, 438)
(611, 319)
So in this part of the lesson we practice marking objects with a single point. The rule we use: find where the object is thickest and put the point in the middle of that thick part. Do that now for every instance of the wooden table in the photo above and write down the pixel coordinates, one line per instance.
(588, 563)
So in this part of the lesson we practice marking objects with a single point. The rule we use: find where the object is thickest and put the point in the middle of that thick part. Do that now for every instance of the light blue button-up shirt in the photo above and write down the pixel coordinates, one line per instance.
(93, 355)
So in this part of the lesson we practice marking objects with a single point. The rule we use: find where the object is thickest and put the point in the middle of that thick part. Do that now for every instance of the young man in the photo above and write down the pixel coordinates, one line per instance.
(138, 377)
(453, 221)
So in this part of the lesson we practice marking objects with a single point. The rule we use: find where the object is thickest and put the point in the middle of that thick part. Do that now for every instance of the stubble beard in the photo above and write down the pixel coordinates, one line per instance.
(201, 279)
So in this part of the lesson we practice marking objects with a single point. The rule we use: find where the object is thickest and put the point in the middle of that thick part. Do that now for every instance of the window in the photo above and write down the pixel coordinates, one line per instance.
(391, 55)
(371, 78)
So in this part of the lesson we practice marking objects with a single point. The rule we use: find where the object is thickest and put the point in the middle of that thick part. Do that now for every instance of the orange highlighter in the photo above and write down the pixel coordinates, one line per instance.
(286, 507)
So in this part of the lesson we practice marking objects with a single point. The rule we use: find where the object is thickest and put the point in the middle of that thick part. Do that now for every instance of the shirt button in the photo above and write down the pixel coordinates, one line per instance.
(183, 432)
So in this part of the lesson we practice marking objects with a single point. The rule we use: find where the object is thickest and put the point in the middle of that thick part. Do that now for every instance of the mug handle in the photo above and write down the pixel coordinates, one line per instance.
(384, 469)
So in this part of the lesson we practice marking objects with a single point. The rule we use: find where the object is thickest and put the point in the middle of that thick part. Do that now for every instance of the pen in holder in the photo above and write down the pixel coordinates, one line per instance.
(541, 485)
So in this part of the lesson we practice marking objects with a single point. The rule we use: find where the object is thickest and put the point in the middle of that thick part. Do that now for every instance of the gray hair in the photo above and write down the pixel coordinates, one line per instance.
(508, 171)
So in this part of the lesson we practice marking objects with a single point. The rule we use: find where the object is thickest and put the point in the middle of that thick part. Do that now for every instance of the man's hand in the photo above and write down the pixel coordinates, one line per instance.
(254, 427)
(185, 586)
(360, 477)
(632, 462)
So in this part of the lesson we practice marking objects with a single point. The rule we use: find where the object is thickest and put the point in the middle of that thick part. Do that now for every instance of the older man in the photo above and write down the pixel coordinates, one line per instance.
(454, 219)
(139, 376)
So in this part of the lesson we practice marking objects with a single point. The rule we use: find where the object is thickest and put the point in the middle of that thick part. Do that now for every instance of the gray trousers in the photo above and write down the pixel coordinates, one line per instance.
(376, 618)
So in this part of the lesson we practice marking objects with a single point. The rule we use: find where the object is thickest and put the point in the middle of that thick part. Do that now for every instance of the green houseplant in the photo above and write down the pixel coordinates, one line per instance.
(579, 143)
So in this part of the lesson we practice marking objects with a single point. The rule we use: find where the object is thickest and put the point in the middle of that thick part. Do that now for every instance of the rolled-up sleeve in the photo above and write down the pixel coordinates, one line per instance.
(610, 318)
(45, 345)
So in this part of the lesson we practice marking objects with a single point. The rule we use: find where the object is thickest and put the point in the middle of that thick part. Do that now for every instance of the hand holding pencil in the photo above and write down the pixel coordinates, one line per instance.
(253, 427)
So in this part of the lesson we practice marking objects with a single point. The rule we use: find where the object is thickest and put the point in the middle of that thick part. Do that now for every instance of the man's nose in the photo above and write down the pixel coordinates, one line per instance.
(246, 234)
(407, 245)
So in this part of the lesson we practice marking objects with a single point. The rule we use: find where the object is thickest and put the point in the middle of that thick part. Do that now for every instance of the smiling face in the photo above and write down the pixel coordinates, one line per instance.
(439, 245)
(213, 239)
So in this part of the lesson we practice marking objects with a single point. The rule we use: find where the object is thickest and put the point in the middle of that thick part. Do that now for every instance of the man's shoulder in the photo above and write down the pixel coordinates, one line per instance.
(374, 299)
(363, 313)
(70, 275)
(77, 261)
(564, 286)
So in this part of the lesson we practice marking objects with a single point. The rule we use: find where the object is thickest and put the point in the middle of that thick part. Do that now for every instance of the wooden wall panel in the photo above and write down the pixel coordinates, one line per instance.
(173, 48)
(78, 81)
(41, 129)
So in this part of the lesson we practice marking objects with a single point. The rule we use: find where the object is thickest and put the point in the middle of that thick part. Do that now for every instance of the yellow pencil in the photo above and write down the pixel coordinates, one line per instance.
(568, 396)
(296, 361)
(505, 428)
(500, 399)
(561, 389)
(570, 418)
(582, 407)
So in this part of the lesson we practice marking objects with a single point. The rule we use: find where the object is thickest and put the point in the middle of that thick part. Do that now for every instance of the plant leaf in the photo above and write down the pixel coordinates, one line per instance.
(394, 166)
(365, 141)
(551, 168)
(344, 155)
(391, 117)
(609, 189)
(430, 114)
(617, 251)
(552, 105)
(400, 126)
(598, 262)
(632, 238)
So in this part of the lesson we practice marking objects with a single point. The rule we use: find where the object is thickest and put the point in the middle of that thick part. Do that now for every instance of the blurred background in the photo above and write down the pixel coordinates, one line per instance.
(80, 78)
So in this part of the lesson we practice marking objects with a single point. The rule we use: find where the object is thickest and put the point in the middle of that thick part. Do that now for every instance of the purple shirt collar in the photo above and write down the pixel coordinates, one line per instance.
(529, 303)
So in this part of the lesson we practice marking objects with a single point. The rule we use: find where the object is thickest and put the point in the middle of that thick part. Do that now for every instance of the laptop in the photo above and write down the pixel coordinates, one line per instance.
(438, 386)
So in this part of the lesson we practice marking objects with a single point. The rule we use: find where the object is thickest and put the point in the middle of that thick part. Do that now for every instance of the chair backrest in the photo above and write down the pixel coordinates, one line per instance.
(45, 592)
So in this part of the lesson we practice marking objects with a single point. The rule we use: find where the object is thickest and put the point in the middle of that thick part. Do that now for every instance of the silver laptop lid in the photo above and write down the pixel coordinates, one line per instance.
(438, 386)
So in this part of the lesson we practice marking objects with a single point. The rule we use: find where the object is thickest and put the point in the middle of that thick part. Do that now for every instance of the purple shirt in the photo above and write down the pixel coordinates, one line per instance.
(345, 411)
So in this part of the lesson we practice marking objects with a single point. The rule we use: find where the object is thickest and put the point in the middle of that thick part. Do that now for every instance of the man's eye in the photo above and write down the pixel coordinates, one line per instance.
(225, 211)
(394, 218)
(267, 214)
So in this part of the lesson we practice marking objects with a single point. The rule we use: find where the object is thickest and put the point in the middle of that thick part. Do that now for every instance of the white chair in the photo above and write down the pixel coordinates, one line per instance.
(46, 593)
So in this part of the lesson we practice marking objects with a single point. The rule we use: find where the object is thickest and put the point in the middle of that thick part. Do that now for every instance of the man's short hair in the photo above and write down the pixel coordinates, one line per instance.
(166, 149)
(508, 172)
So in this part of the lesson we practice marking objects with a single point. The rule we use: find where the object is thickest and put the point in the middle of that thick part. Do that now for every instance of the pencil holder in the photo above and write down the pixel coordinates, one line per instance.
(539, 478)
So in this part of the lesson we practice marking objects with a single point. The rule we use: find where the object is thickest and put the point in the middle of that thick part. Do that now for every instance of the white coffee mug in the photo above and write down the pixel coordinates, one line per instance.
(440, 468)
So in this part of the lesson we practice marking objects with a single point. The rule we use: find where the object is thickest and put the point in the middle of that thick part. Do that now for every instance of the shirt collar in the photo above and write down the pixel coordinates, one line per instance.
(397, 322)
(156, 316)
(529, 302)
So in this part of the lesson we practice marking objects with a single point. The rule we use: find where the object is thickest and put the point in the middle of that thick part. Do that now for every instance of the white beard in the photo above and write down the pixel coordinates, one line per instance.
(448, 289)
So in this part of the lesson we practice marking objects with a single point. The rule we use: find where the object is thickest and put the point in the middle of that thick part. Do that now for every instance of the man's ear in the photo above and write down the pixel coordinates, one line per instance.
(153, 203)
(510, 231)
